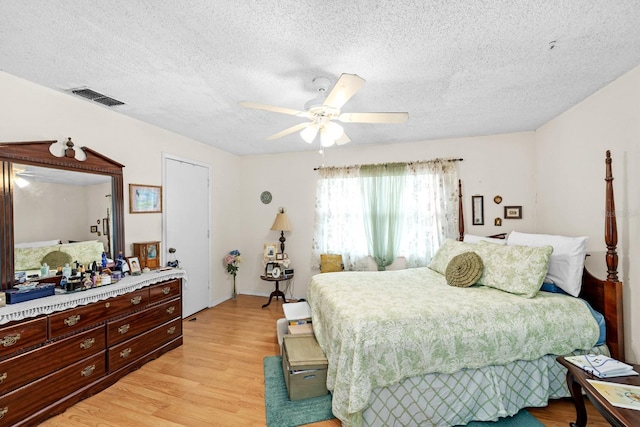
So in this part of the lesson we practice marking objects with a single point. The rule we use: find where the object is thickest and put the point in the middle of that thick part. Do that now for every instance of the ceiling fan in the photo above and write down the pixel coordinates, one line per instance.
(323, 111)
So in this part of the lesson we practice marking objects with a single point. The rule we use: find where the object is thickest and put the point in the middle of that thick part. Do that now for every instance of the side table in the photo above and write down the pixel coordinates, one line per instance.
(577, 381)
(277, 293)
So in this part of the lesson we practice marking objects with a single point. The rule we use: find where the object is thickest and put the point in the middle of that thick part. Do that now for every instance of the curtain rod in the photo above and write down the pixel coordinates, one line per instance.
(408, 163)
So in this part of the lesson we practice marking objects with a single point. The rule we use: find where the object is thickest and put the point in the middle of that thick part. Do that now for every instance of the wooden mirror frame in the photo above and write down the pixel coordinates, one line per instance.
(37, 153)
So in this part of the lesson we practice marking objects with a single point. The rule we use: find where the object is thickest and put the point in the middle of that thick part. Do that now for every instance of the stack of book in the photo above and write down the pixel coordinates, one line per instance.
(601, 366)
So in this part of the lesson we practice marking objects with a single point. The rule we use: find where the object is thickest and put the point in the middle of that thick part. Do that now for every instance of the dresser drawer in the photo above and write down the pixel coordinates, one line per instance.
(22, 335)
(19, 404)
(79, 318)
(27, 367)
(166, 290)
(134, 324)
(133, 349)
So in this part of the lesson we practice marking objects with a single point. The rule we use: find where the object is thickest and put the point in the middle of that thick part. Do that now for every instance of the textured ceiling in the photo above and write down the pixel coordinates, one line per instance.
(460, 68)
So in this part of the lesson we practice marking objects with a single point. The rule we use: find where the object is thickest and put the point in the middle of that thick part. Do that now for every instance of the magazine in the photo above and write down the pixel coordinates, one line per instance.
(620, 395)
(601, 366)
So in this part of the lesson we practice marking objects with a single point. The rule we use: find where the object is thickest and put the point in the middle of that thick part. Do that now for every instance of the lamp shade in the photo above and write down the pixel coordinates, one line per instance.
(281, 223)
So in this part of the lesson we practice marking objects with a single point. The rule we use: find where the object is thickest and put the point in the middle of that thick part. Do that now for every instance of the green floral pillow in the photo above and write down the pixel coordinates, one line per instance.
(446, 252)
(519, 270)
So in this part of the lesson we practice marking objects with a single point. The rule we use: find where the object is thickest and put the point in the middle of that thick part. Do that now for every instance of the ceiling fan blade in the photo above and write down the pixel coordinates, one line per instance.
(373, 117)
(346, 86)
(273, 108)
(287, 131)
(343, 139)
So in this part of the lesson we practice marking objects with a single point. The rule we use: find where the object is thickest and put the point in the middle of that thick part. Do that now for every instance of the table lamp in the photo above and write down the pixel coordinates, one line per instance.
(281, 224)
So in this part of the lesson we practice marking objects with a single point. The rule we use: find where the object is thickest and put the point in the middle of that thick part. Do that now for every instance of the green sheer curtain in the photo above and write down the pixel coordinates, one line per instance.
(382, 190)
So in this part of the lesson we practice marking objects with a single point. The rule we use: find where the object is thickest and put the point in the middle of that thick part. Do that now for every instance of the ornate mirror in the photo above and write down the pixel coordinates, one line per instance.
(44, 198)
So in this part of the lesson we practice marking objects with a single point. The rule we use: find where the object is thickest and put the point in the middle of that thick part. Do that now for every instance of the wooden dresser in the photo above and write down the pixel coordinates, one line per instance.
(50, 362)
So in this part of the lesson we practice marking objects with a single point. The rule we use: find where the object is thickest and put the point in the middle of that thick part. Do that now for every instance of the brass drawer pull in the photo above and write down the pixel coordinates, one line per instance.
(136, 300)
(3, 377)
(124, 329)
(10, 340)
(72, 320)
(88, 343)
(171, 330)
(88, 370)
(125, 353)
(3, 412)
(171, 309)
(166, 290)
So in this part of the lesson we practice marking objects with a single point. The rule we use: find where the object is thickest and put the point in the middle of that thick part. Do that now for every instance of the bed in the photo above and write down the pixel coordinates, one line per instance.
(30, 256)
(406, 348)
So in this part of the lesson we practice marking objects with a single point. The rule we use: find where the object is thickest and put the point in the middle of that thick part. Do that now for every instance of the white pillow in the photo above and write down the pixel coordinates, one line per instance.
(38, 244)
(567, 259)
(470, 238)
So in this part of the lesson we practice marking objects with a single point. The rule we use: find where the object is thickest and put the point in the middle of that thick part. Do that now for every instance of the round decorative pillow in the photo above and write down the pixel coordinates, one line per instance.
(56, 259)
(464, 270)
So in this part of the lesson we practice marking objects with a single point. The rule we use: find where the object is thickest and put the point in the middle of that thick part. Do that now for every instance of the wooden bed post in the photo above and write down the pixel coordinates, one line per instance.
(460, 213)
(610, 225)
(605, 296)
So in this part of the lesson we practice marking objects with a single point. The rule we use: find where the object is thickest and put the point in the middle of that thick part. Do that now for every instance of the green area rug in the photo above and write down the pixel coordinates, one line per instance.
(282, 412)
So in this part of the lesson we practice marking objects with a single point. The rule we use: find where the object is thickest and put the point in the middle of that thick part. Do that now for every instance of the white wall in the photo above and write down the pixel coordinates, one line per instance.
(570, 173)
(30, 112)
(493, 165)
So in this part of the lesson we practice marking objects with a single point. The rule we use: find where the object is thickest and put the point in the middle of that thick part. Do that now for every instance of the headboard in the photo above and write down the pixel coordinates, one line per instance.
(605, 296)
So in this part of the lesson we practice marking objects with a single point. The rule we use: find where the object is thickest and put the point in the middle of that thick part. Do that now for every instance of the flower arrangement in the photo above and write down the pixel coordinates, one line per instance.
(232, 261)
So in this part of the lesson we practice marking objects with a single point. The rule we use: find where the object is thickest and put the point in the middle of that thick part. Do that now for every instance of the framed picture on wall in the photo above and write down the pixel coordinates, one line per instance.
(477, 209)
(145, 198)
(513, 212)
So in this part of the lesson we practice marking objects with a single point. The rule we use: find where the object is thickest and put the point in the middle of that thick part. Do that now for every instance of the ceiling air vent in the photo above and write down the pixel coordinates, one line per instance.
(97, 97)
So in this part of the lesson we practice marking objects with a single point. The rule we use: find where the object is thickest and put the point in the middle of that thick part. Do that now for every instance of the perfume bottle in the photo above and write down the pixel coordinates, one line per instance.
(104, 260)
(119, 261)
(44, 270)
(66, 271)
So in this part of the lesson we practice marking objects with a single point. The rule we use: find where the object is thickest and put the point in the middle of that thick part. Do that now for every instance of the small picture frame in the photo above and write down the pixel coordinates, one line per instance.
(145, 198)
(94, 228)
(269, 268)
(285, 255)
(270, 250)
(279, 257)
(513, 212)
(497, 222)
(477, 208)
(134, 265)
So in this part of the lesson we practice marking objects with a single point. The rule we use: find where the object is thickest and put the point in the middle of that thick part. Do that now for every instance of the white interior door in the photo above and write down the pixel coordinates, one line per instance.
(186, 221)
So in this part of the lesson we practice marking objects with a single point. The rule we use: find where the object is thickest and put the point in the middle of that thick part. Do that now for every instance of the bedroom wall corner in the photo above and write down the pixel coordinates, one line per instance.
(570, 153)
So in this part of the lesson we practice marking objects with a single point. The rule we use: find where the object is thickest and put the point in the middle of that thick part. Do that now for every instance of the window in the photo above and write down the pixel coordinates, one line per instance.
(428, 212)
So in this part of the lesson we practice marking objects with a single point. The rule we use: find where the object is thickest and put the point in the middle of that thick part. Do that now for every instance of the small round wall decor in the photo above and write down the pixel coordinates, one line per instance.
(497, 200)
(265, 197)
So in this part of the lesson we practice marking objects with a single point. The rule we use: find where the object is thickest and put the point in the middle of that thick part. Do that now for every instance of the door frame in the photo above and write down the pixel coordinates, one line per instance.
(166, 157)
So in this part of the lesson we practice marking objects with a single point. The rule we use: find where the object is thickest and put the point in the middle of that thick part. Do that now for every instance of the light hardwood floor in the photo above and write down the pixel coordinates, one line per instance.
(216, 378)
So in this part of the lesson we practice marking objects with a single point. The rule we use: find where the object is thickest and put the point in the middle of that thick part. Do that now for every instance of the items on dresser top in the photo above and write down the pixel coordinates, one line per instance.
(50, 304)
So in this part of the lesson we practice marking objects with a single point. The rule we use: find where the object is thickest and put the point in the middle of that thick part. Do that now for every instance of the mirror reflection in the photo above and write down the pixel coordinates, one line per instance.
(53, 206)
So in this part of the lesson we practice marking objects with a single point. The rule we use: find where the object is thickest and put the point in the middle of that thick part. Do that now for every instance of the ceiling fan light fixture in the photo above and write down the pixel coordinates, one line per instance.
(309, 133)
(326, 140)
(334, 129)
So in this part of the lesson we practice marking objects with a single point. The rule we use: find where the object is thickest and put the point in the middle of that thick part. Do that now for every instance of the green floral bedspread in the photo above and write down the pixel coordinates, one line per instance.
(377, 328)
